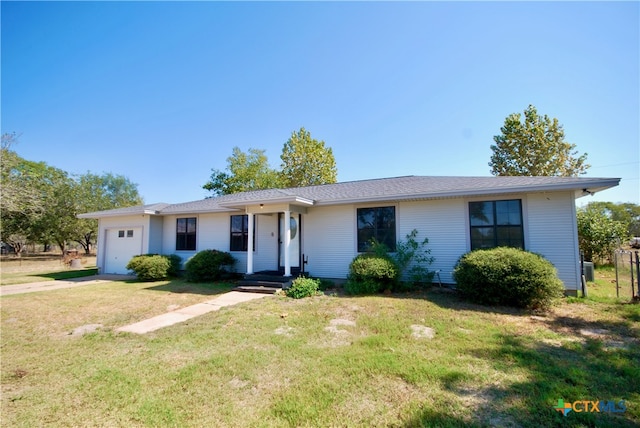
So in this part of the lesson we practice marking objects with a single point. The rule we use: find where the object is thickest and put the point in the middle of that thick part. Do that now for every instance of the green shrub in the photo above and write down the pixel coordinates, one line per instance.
(209, 265)
(507, 276)
(150, 267)
(303, 287)
(175, 263)
(412, 259)
(370, 274)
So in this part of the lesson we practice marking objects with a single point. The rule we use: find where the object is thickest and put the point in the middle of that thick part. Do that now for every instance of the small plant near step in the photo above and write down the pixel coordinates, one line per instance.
(304, 287)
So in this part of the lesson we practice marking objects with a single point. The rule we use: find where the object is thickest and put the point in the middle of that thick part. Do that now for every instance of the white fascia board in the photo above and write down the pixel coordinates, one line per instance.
(593, 186)
(283, 200)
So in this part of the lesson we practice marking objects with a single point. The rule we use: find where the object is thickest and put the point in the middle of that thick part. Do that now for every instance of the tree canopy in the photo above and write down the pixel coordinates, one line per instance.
(535, 147)
(599, 233)
(305, 162)
(98, 193)
(39, 202)
(245, 171)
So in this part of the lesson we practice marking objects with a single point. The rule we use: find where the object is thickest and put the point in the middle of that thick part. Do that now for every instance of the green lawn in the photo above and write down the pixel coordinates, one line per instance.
(25, 278)
(322, 361)
(42, 267)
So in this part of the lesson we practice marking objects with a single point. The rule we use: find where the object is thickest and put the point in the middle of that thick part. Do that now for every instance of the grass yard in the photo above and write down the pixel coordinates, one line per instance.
(322, 361)
(42, 267)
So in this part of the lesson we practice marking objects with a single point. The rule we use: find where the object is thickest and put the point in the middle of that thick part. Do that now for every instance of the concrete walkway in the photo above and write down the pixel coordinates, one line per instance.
(180, 315)
(32, 287)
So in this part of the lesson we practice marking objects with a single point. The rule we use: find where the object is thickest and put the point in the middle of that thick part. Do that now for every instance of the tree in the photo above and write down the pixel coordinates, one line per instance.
(535, 148)
(46, 212)
(598, 233)
(98, 193)
(625, 213)
(58, 220)
(306, 161)
(15, 173)
(22, 201)
(245, 171)
(39, 202)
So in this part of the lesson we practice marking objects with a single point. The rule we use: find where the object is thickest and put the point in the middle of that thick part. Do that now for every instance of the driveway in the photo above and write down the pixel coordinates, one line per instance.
(32, 287)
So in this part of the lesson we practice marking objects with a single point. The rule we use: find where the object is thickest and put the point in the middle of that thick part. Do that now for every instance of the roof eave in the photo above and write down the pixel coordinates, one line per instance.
(283, 200)
(581, 189)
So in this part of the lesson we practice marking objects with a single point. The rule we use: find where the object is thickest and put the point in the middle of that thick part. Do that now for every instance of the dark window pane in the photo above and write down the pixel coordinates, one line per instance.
(376, 223)
(480, 213)
(186, 233)
(482, 237)
(366, 218)
(509, 236)
(239, 239)
(121, 234)
(508, 212)
(496, 223)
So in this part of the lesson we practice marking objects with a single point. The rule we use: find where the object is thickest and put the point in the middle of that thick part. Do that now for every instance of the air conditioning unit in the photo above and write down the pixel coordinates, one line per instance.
(588, 271)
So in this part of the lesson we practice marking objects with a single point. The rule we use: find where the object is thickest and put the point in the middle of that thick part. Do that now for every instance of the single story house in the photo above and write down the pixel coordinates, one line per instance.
(320, 229)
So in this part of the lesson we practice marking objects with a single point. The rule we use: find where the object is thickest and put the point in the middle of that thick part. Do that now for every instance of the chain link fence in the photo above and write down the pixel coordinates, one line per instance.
(627, 270)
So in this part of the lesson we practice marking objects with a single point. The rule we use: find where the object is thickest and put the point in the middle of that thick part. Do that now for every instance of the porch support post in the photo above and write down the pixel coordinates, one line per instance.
(287, 243)
(250, 244)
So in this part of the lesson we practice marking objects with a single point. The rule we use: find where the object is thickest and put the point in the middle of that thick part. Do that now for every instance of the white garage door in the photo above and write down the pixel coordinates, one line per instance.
(121, 246)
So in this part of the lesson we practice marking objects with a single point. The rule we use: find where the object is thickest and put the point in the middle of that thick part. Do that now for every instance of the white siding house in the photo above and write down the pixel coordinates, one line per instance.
(329, 224)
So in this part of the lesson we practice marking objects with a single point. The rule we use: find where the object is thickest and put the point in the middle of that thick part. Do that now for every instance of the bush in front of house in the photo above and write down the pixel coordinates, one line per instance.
(175, 263)
(507, 276)
(303, 287)
(150, 267)
(209, 265)
(370, 274)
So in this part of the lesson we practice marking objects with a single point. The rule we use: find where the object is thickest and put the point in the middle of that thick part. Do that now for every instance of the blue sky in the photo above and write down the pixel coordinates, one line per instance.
(161, 92)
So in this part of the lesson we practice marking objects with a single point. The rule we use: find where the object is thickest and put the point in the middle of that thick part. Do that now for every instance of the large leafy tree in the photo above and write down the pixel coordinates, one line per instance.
(307, 161)
(47, 212)
(39, 202)
(57, 221)
(22, 201)
(245, 171)
(535, 147)
(598, 233)
(98, 193)
(625, 213)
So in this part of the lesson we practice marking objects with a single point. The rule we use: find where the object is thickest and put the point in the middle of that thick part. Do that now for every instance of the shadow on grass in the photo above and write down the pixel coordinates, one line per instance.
(571, 372)
(69, 274)
(180, 285)
(593, 360)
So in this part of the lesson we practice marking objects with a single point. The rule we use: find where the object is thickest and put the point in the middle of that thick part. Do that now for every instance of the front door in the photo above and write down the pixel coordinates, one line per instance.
(294, 246)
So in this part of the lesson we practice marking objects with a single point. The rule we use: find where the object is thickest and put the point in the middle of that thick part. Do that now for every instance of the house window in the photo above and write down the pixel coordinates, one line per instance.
(121, 234)
(186, 234)
(496, 224)
(240, 233)
(376, 223)
(129, 233)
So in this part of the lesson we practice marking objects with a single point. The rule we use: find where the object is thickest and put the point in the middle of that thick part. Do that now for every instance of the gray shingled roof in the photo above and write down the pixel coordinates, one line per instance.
(383, 189)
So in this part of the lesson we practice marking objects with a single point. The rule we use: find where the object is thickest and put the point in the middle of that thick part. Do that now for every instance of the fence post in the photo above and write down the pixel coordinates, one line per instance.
(637, 274)
(583, 280)
(615, 264)
(633, 291)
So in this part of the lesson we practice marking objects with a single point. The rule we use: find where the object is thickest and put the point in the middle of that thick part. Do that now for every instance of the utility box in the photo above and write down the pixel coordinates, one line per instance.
(588, 271)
